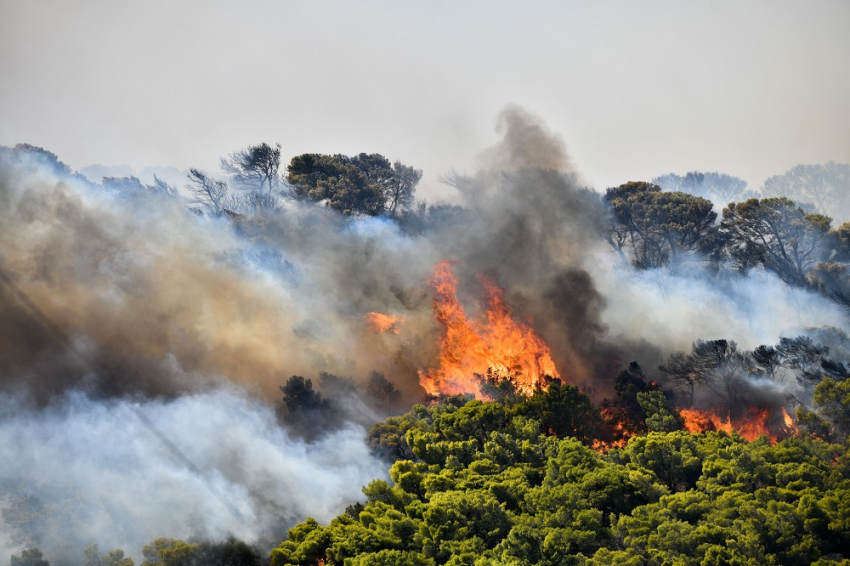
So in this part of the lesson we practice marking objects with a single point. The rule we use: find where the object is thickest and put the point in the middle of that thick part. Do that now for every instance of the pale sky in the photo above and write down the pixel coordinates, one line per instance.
(635, 89)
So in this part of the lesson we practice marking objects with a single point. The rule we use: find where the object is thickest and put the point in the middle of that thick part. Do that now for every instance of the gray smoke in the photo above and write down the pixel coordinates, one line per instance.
(131, 328)
(84, 471)
(122, 295)
(530, 225)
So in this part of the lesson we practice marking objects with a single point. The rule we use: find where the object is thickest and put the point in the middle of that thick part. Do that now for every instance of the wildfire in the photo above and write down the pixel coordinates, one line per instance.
(697, 420)
(497, 345)
(789, 422)
(380, 322)
(757, 423)
(790, 427)
(620, 435)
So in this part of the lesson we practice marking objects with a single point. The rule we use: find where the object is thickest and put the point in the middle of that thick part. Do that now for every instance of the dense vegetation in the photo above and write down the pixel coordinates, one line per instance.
(651, 228)
(670, 223)
(667, 223)
(509, 483)
(554, 478)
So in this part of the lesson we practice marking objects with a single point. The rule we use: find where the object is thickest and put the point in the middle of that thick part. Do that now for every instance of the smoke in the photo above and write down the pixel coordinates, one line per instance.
(131, 329)
(131, 282)
(122, 295)
(125, 320)
(526, 144)
(531, 225)
(674, 309)
(84, 471)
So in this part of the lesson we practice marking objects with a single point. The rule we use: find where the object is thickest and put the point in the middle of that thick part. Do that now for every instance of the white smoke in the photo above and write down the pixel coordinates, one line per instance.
(121, 473)
(155, 312)
(675, 309)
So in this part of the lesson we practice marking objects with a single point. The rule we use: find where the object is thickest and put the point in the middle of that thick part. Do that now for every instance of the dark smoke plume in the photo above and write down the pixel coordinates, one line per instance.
(128, 322)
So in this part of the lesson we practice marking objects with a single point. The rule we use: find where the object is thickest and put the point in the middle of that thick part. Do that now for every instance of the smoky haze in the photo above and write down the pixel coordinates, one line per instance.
(125, 309)
(89, 471)
(637, 90)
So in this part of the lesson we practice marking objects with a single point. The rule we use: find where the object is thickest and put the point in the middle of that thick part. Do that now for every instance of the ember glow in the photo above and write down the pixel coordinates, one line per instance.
(759, 421)
(790, 427)
(620, 436)
(380, 322)
(496, 346)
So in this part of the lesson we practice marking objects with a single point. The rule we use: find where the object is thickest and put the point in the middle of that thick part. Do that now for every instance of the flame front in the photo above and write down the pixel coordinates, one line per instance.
(380, 322)
(790, 427)
(497, 346)
(755, 424)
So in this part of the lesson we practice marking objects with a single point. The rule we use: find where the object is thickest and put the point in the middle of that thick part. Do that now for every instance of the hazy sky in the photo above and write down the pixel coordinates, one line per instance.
(635, 89)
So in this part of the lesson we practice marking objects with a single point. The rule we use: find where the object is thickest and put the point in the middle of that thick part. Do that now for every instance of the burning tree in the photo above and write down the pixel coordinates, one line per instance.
(716, 364)
(497, 344)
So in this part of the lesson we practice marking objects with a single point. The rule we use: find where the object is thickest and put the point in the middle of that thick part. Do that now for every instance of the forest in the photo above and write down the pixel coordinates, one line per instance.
(519, 482)
(515, 378)
(542, 480)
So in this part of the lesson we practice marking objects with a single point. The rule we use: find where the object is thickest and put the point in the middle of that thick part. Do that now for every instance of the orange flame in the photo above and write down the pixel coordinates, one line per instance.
(497, 346)
(380, 322)
(619, 435)
(755, 424)
(697, 420)
(789, 422)
(790, 427)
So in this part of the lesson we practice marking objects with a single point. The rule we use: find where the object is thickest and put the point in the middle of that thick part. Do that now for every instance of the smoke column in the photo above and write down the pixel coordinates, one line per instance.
(142, 345)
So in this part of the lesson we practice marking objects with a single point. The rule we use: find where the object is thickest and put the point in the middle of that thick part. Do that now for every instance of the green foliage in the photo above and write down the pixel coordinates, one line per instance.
(659, 413)
(460, 522)
(29, 557)
(365, 183)
(93, 557)
(389, 558)
(675, 458)
(563, 410)
(174, 552)
(832, 399)
(388, 440)
(811, 423)
(778, 235)
(658, 228)
(488, 483)
(178, 554)
(166, 552)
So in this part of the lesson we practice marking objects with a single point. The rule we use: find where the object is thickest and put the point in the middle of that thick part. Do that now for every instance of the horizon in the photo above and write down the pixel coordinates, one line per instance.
(634, 91)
